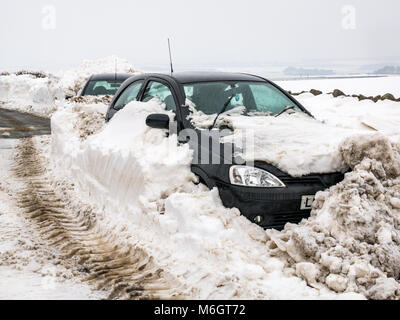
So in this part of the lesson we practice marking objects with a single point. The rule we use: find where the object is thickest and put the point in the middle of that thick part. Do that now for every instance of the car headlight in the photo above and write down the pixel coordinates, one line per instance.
(254, 177)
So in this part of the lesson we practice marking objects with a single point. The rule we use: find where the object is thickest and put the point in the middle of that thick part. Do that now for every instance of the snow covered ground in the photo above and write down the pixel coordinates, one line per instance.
(143, 195)
(350, 113)
(142, 181)
(27, 269)
(367, 86)
(163, 205)
(27, 93)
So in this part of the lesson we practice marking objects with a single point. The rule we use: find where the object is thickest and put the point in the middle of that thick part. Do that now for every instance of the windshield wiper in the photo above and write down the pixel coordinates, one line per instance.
(285, 110)
(223, 110)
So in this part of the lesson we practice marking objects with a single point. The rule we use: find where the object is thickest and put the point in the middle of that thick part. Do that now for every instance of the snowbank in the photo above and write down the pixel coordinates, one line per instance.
(351, 242)
(72, 81)
(30, 94)
(348, 112)
(141, 182)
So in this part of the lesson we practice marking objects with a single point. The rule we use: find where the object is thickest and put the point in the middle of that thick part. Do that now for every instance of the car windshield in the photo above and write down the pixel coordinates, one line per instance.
(255, 97)
(102, 88)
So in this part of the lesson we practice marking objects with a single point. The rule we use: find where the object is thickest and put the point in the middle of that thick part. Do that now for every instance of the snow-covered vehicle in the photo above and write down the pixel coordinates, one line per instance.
(263, 193)
(104, 84)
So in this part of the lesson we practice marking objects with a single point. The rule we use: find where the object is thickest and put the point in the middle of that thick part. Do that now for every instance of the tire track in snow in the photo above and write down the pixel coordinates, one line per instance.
(126, 272)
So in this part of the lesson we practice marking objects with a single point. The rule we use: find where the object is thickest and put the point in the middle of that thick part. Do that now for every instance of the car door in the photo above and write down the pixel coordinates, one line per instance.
(131, 93)
(160, 91)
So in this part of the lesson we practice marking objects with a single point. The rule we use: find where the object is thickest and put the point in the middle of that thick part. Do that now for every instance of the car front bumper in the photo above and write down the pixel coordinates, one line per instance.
(273, 208)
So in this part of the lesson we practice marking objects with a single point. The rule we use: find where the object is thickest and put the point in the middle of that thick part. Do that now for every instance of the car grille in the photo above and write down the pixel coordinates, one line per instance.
(282, 219)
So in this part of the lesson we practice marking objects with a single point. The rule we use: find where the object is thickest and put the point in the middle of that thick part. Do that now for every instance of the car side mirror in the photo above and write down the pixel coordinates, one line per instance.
(158, 121)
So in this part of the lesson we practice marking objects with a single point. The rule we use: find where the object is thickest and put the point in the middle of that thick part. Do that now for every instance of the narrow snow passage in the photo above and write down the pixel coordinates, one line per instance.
(87, 251)
(27, 270)
(52, 250)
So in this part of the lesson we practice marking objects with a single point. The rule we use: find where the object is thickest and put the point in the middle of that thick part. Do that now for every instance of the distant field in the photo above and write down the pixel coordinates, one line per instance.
(369, 86)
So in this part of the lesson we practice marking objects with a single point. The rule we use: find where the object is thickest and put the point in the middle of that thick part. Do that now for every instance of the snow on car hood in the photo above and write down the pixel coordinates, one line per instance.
(295, 143)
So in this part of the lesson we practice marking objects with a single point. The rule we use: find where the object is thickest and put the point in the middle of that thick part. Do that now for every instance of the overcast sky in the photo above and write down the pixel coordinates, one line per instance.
(204, 32)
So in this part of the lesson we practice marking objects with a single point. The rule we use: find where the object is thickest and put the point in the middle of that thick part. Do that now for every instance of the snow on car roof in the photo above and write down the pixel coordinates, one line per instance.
(188, 77)
(111, 76)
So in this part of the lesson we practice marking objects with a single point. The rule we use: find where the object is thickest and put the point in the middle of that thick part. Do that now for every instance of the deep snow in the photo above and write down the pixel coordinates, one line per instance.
(351, 242)
(213, 251)
(348, 112)
(143, 193)
(26, 93)
(160, 204)
(295, 143)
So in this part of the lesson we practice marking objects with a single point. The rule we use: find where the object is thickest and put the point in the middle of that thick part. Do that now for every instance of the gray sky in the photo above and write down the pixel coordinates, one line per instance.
(204, 32)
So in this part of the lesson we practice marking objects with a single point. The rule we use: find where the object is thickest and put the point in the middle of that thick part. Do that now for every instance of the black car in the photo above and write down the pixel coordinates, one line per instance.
(104, 84)
(276, 198)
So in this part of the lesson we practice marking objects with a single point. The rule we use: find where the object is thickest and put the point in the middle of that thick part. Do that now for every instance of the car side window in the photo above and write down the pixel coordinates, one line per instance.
(160, 91)
(130, 94)
(269, 99)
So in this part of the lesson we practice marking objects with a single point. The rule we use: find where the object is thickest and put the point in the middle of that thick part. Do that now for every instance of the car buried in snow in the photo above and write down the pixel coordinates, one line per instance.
(263, 193)
(104, 84)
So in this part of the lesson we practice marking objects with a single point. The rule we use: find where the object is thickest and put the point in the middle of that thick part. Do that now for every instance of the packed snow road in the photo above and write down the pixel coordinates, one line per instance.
(29, 269)
(14, 125)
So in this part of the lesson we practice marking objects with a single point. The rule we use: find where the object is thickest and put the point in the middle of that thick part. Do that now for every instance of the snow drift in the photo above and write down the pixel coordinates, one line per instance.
(351, 242)
(350, 113)
(28, 93)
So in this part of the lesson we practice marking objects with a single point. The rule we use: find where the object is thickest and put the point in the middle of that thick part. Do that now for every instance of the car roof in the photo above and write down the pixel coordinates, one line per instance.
(111, 76)
(191, 77)
(182, 78)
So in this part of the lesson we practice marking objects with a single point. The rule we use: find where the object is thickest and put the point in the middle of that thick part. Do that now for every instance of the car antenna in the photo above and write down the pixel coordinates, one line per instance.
(115, 74)
(170, 57)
